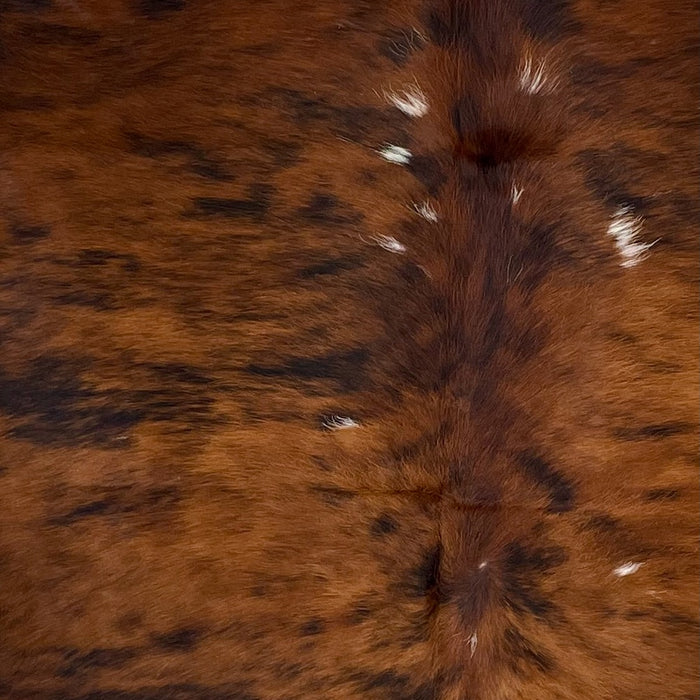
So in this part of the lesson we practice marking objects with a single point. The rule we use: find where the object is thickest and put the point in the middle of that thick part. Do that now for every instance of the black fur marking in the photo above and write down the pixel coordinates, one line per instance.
(523, 656)
(662, 495)
(312, 627)
(198, 160)
(60, 407)
(593, 73)
(473, 592)
(428, 171)
(333, 495)
(561, 490)
(391, 685)
(180, 691)
(657, 431)
(254, 208)
(548, 19)
(57, 406)
(50, 34)
(398, 44)
(184, 639)
(602, 522)
(450, 26)
(360, 612)
(99, 301)
(174, 372)
(477, 28)
(522, 571)
(344, 368)
(104, 506)
(466, 115)
(79, 663)
(326, 209)
(612, 175)
(424, 580)
(96, 257)
(330, 267)
(384, 525)
(350, 122)
(25, 5)
(153, 9)
(120, 502)
(25, 235)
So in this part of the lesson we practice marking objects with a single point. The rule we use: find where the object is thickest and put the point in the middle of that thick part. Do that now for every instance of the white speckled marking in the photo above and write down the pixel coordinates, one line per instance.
(515, 193)
(339, 423)
(411, 101)
(395, 154)
(624, 229)
(427, 211)
(391, 244)
(533, 79)
(627, 568)
(473, 641)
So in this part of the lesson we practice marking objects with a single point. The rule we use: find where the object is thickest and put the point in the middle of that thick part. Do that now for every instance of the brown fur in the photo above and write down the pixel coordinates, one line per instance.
(191, 286)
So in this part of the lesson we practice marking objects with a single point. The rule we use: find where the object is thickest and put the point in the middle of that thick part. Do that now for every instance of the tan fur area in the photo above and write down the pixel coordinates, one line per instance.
(268, 433)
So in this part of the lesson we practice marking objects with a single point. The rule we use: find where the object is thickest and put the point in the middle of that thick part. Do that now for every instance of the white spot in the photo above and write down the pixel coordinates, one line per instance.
(625, 228)
(391, 244)
(533, 79)
(395, 154)
(411, 101)
(515, 193)
(627, 568)
(473, 641)
(427, 211)
(339, 423)
(483, 565)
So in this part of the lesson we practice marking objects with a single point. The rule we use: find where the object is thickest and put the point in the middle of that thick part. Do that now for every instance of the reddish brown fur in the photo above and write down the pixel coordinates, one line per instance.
(191, 287)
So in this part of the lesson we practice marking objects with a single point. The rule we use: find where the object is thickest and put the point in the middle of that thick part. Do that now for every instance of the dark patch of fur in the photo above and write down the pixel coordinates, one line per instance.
(312, 627)
(181, 640)
(254, 208)
(325, 209)
(329, 267)
(122, 501)
(523, 656)
(346, 369)
(399, 44)
(26, 235)
(559, 487)
(657, 431)
(76, 662)
(155, 9)
(384, 525)
(523, 570)
(662, 494)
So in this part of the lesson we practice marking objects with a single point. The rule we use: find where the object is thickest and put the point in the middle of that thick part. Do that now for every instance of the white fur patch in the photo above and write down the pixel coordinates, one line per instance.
(395, 154)
(427, 211)
(411, 101)
(515, 193)
(391, 244)
(473, 641)
(627, 568)
(624, 229)
(533, 79)
(339, 423)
